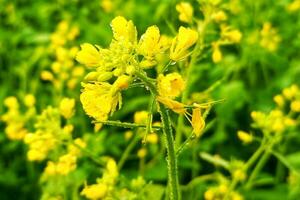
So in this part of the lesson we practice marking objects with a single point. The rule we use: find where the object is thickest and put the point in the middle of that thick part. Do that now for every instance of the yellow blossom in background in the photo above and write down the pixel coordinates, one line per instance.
(142, 153)
(11, 102)
(47, 76)
(15, 131)
(230, 35)
(152, 138)
(89, 55)
(290, 92)
(50, 169)
(295, 106)
(95, 191)
(186, 11)
(66, 164)
(182, 42)
(107, 5)
(245, 137)
(216, 54)
(294, 6)
(29, 100)
(171, 85)
(239, 174)
(66, 107)
(279, 100)
(76, 147)
(269, 37)
(219, 16)
(140, 117)
(128, 135)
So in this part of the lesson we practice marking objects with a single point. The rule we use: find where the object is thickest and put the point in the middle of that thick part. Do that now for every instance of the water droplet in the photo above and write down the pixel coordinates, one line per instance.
(173, 63)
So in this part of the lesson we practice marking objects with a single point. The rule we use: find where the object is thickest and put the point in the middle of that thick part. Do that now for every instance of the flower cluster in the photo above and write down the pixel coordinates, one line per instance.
(49, 133)
(113, 68)
(269, 37)
(63, 71)
(221, 192)
(105, 185)
(14, 118)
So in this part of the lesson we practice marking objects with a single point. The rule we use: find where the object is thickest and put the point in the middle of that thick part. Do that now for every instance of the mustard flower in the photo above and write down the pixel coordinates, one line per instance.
(182, 42)
(66, 107)
(98, 101)
(89, 56)
(170, 85)
(245, 137)
(124, 30)
(186, 11)
(149, 42)
(95, 191)
(198, 122)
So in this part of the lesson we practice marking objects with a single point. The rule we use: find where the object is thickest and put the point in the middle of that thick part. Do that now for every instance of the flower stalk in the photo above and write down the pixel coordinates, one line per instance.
(170, 142)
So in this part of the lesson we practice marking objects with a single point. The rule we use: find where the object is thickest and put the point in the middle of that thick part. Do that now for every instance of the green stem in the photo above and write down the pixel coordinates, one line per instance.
(255, 156)
(168, 134)
(127, 151)
(125, 124)
(171, 154)
(261, 163)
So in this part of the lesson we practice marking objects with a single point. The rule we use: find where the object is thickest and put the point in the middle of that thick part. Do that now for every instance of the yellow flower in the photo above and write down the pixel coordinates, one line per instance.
(107, 5)
(98, 101)
(66, 107)
(124, 30)
(66, 164)
(186, 11)
(209, 194)
(29, 100)
(171, 104)
(142, 153)
(217, 54)
(219, 16)
(15, 131)
(75, 148)
(290, 92)
(269, 37)
(121, 83)
(94, 192)
(294, 6)
(33, 155)
(47, 76)
(140, 117)
(50, 168)
(11, 102)
(149, 43)
(89, 56)
(245, 137)
(182, 42)
(230, 35)
(152, 138)
(128, 135)
(239, 175)
(171, 85)
(279, 100)
(198, 122)
(295, 106)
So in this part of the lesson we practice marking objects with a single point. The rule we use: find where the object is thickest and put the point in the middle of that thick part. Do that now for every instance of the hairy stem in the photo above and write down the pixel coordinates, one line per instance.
(173, 182)
(171, 154)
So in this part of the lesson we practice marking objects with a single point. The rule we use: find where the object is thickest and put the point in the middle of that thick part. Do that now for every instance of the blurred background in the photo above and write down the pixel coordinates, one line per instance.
(251, 75)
